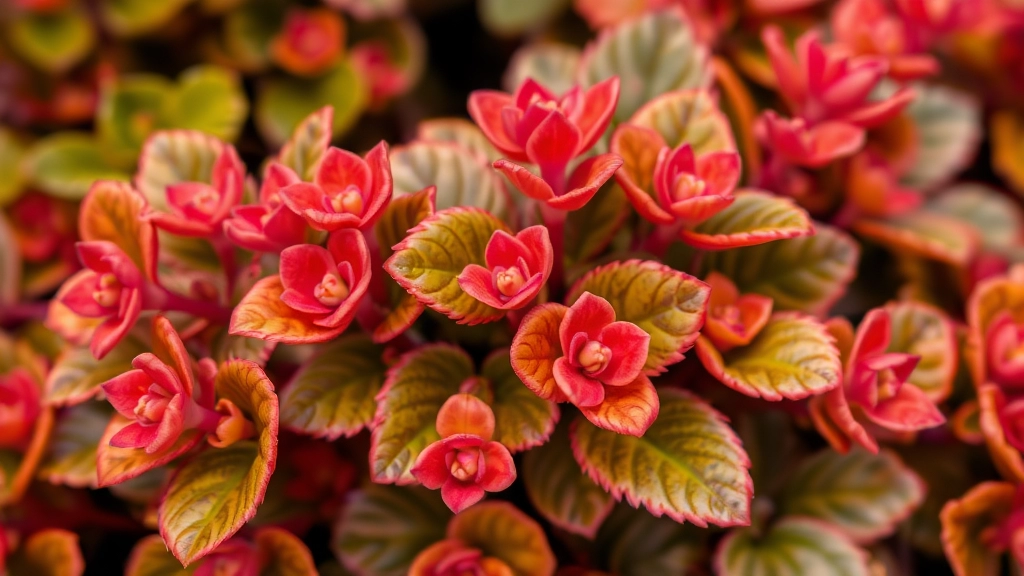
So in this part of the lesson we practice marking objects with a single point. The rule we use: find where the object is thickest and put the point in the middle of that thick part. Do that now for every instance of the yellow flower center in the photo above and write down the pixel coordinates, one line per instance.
(509, 281)
(350, 201)
(108, 291)
(594, 357)
(331, 291)
(688, 186)
(465, 464)
(205, 201)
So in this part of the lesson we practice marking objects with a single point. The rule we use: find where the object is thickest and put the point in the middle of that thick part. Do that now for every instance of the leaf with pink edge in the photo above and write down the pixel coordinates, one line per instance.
(174, 156)
(924, 234)
(655, 53)
(116, 465)
(791, 358)
(262, 314)
(217, 492)
(502, 531)
(382, 528)
(535, 348)
(753, 218)
(428, 262)
(689, 465)
(49, 552)
(927, 332)
(667, 304)
(862, 494)
(687, 116)
(308, 143)
(150, 557)
(407, 406)
(560, 491)
(462, 178)
(806, 274)
(522, 419)
(76, 375)
(964, 522)
(70, 457)
(948, 128)
(333, 394)
(110, 211)
(998, 220)
(790, 547)
(458, 131)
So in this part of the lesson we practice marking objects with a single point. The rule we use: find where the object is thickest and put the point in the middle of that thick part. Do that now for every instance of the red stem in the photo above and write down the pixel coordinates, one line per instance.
(554, 219)
(159, 298)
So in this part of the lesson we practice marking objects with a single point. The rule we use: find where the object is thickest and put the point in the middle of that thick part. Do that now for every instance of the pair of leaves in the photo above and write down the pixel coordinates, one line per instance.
(419, 384)
(793, 545)
(53, 41)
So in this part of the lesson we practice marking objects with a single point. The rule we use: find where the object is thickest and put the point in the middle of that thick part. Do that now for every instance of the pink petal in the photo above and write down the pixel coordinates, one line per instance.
(553, 143)
(459, 495)
(180, 225)
(628, 343)
(693, 211)
(171, 425)
(669, 166)
(179, 195)
(596, 113)
(78, 296)
(340, 169)
(304, 302)
(539, 252)
(853, 88)
(244, 229)
(168, 342)
(379, 194)
(430, 468)
(590, 314)
(720, 171)
(158, 373)
(113, 330)
(579, 389)
(526, 294)
(124, 391)
(485, 108)
(881, 112)
(465, 418)
(303, 267)
(909, 410)
(788, 74)
(307, 200)
(285, 227)
(134, 435)
(478, 282)
(643, 200)
(527, 182)
(499, 470)
(531, 90)
(505, 250)
(586, 180)
(839, 411)
(276, 177)
(873, 336)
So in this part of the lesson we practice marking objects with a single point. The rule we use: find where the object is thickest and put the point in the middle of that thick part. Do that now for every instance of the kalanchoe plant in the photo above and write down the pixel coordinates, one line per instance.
(741, 265)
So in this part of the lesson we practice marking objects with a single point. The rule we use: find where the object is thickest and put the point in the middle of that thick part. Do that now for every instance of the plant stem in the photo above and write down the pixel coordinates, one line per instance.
(159, 298)
(554, 219)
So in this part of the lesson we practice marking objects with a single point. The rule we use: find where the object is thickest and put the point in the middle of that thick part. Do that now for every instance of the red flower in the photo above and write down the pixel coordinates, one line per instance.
(874, 190)
(538, 127)
(824, 83)
(695, 189)
(198, 208)
(160, 399)
(327, 284)
(733, 320)
(811, 146)
(110, 288)
(19, 408)
(236, 557)
(598, 351)
(347, 191)
(465, 463)
(310, 42)
(1004, 351)
(517, 268)
(386, 80)
(269, 226)
(868, 28)
(453, 557)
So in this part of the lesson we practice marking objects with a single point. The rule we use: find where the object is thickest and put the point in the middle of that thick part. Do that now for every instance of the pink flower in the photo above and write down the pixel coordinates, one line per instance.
(598, 351)
(19, 408)
(517, 268)
(110, 288)
(386, 80)
(347, 191)
(161, 399)
(452, 557)
(310, 41)
(733, 319)
(824, 83)
(327, 284)
(269, 226)
(197, 208)
(694, 189)
(465, 462)
(236, 557)
(538, 127)
(868, 28)
(1004, 350)
(873, 189)
(800, 144)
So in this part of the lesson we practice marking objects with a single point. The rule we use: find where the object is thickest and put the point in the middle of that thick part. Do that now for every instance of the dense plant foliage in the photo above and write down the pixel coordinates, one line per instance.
(607, 287)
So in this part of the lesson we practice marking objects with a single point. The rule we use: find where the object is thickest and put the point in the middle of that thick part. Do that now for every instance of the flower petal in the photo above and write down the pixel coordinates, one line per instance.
(527, 182)
(596, 113)
(430, 468)
(123, 391)
(485, 107)
(590, 314)
(909, 410)
(341, 169)
(585, 181)
(629, 409)
(459, 495)
(628, 343)
(465, 414)
(499, 470)
(579, 389)
(134, 435)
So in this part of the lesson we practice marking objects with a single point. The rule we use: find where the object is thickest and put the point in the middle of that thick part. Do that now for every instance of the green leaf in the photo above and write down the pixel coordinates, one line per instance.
(53, 41)
(688, 466)
(67, 163)
(332, 395)
(667, 304)
(589, 230)
(70, 458)
(923, 234)
(633, 543)
(249, 31)
(793, 546)
(458, 131)
(792, 357)
(502, 531)
(522, 420)
(514, 17)
(282, 553)
(407, 407)
(753, 218)
(283, 102)
(653, 54)
(10, 265)
(428, 262)
(209, 99)
(927, 332)
(216, 493)
(806, 274)
(48, 552)
(947, 123)
(996, 218)
(560, 491)
(150, 557)
(117, 465)
(76, 375)
(461, 177)
(128, 111)
(308, 143)
(552, 64)
(382, 528)
(137, 17)
(175, 156)
(863, 495)
(12, 153)
(687, 116)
